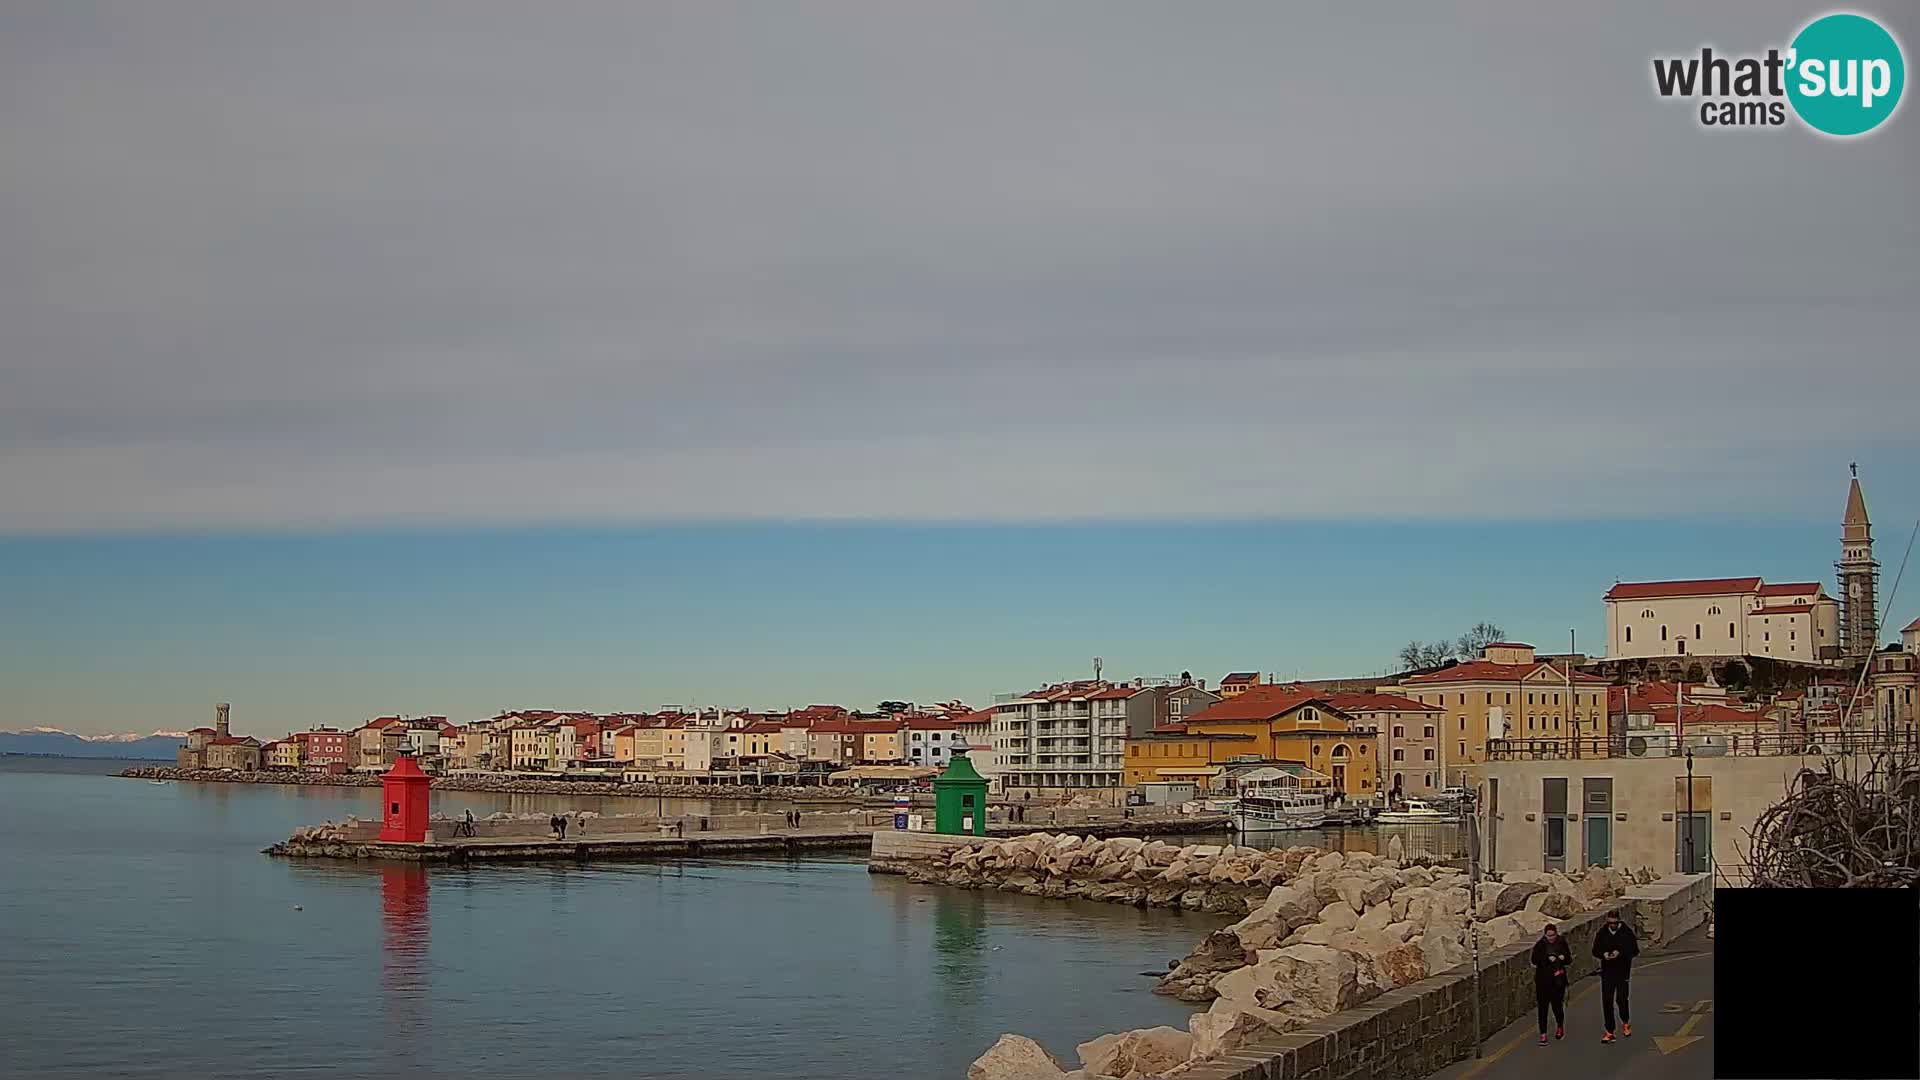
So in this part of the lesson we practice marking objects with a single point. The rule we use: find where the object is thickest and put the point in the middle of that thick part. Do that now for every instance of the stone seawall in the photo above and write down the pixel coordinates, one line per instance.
(604, 850)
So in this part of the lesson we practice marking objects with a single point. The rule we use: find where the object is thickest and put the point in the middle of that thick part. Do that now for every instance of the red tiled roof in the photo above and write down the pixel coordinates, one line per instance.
(236, 740)
(764, 727)
(1240, 677)
(1258, 703)
(1115, 693)
(1488, 671)
(1378, 703)
(977, 716)
(201, 731)
(932, 723)
(1790, 589)
(1647, 590)
(1707, 714)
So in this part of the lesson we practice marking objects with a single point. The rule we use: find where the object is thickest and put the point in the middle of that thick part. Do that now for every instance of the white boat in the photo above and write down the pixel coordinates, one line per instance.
(1278, 809)
(1415, 812)
(159, 781)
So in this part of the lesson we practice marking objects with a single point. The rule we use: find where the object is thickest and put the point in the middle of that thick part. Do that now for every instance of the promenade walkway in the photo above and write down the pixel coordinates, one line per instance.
(1672, 1028)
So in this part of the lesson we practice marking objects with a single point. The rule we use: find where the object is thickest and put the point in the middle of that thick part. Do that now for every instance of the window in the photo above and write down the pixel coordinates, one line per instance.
(1429, 754)
(1629, 633)
(1509, 699)
(1730, 630)
(1696, 631)
(1463, 723)
(1647, 614)
(1401, 732)
(1663, 633)
(1529, 699)
(1463, 699)
(1489, 697)
(1463, 748)
(1399, 754)
(1714, 610)
(1429, 779)
(1429, 731)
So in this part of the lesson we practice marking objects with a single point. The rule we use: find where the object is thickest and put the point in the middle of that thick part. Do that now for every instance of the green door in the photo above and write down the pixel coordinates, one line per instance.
(1599, 840)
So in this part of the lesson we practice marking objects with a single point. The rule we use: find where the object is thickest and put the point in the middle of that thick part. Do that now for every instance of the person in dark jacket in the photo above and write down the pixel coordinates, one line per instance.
(1551, 958)
(1615, 947)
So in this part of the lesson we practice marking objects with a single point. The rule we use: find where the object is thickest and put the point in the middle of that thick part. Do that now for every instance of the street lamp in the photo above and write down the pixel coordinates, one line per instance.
(1471, 819)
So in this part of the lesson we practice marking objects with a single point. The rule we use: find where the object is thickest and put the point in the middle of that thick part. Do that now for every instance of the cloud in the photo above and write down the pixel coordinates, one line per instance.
(360, 264)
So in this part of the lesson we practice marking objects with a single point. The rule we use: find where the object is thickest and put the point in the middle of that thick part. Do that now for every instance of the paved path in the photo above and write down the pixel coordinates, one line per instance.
(1672, 1028)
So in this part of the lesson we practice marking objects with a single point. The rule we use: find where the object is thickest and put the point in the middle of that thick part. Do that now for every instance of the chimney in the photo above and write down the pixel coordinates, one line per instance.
(220, 720)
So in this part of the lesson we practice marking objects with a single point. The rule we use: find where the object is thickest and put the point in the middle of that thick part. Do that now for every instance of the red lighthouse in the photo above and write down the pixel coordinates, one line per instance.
(404, 791)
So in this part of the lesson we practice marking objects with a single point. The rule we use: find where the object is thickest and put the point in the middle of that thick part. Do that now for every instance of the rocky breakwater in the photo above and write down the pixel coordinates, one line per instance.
(1335, 930)
(1122, 870)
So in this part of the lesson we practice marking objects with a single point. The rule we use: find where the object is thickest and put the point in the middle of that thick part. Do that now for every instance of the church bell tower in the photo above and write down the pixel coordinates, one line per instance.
(1858, 578)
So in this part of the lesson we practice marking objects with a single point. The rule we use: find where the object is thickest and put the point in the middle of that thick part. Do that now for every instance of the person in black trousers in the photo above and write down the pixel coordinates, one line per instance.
(1551, 958)
(1615, 947)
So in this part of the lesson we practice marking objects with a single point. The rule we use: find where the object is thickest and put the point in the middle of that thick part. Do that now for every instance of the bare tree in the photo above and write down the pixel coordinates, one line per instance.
(1852, 823)
(1477, 638)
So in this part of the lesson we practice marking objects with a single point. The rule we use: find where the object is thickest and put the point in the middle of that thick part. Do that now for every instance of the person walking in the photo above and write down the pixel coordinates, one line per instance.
(1551, 958)
(553, 825)
(1615, 947)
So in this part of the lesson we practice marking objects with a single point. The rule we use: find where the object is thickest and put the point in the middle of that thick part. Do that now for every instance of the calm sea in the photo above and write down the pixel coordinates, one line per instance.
(142, 934)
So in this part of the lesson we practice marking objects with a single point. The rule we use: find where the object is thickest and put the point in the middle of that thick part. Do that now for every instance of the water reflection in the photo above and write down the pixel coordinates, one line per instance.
(403, 958)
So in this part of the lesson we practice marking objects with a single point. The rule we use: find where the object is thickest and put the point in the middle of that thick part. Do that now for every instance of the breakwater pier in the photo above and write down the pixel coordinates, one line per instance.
(624, 839)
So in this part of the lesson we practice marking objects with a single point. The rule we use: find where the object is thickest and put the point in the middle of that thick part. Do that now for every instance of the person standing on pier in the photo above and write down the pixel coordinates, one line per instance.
(1615, 947)
(1551, 958)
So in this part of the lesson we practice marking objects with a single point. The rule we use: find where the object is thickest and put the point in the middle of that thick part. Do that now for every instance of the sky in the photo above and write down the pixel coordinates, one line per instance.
(439, 357)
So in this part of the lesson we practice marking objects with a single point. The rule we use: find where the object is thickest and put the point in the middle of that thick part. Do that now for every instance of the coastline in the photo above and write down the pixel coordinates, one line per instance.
(511, 785)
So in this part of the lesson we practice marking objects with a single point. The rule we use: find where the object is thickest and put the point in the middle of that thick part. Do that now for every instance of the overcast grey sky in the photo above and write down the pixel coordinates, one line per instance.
(278, 264)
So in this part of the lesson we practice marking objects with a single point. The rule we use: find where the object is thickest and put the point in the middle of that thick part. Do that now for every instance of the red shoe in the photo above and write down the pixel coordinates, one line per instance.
(1543, 1040)
(1559, 1033)
(1626, 1029)
(1607, 1038)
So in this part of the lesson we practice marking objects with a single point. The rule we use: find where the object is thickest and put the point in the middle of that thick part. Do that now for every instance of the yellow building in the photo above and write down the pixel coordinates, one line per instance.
(1507, 693)
(880, 741)
(284, 754)
(526, 750)
(1264, 723)
(661, 747)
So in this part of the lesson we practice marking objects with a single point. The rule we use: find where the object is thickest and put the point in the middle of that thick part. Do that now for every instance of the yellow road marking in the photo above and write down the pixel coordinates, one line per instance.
(1487, 1062)
(1683, 1038)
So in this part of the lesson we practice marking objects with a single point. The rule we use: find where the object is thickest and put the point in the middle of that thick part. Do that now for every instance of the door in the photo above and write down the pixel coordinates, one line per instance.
(1599, 841)
(1693, 849)
(1556, 858)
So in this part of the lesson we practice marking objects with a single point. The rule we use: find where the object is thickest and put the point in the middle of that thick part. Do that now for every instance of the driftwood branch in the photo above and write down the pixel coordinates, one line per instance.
(1848, 824)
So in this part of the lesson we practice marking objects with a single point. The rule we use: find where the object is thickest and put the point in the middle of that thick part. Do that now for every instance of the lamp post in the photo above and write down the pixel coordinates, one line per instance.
(1471, 819)
(1686, 834)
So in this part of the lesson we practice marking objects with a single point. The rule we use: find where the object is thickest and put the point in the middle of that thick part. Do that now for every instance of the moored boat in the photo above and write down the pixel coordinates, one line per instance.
(1278, 809)
(1414, 812)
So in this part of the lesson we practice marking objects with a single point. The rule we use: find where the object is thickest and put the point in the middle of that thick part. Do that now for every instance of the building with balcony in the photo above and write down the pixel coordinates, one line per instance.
(1406, 735)
(1277, 725)
(1066, 738)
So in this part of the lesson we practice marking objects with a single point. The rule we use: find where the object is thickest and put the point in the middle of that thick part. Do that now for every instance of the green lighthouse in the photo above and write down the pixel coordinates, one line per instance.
(960, 799)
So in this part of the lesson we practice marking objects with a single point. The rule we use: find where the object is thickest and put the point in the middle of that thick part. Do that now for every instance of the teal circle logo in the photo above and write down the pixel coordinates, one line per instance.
(1845, 74)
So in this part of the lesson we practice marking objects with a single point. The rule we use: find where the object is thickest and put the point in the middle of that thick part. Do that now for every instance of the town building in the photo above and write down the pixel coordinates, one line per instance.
(282, 754)
(1687, 624)
(239, 753)
(1266, 725)
(1061, 739)
(1895, 676)
(1238, 682)
(1506, 693)
(325, 747)
(193, 753)
(1542, 810)
(932, 740)
(836, 742)
(1406, 739)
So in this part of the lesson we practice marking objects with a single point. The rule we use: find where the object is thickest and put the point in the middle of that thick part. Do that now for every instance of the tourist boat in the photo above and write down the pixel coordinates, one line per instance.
(1415, 812)
(157, 781)
(1278, 809)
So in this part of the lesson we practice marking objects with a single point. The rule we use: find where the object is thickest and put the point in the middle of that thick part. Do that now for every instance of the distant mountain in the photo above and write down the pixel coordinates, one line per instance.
(159, 746)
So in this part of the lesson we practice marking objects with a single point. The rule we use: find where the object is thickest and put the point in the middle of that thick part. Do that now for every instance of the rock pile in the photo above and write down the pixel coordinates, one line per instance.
(1216, 878)
(1332, 931)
